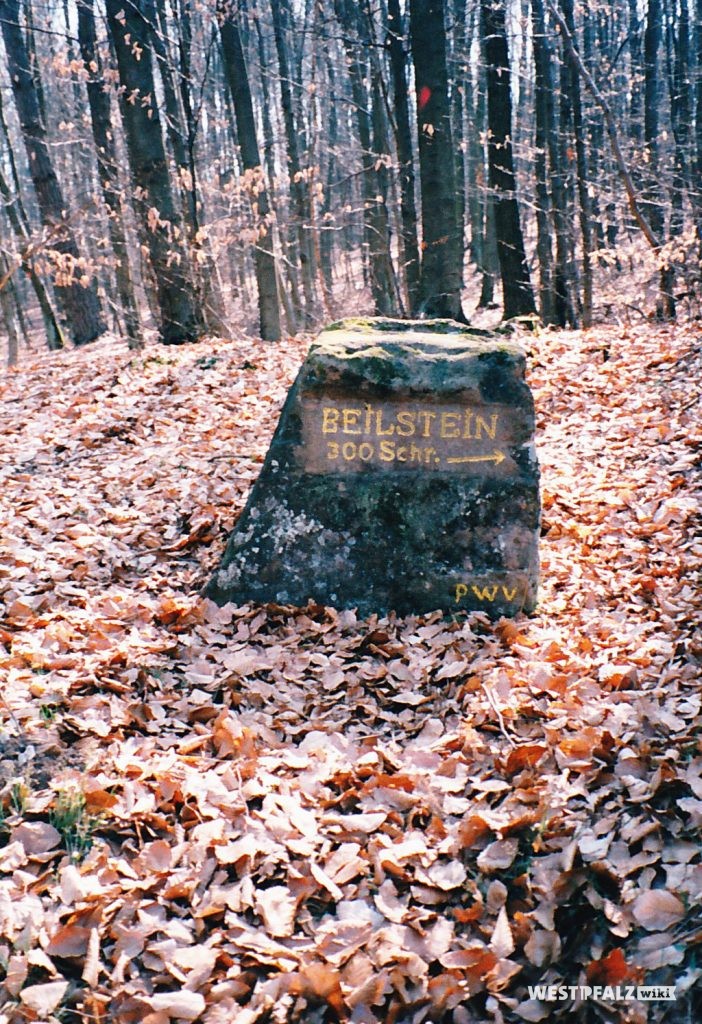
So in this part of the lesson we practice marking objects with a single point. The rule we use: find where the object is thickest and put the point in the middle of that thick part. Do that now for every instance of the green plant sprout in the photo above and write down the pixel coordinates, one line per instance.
(76, 825)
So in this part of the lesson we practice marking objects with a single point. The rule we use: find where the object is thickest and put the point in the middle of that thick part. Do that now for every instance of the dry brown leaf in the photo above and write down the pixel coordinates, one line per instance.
(533, 1010)
(276, 907)
(657, 909)
(44, 999)
(177, 1005)
(70, 940)
(498, 856)
(37, 837)
(501, 940)
(16, 973)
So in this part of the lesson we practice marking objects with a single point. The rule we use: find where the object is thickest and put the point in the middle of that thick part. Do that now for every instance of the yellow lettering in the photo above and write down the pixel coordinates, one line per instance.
(350, 421)
(449, 425)
(427, 417)
(401, 454)
(430, 454)
(481, 424)
(330, 419)
(332, 450)
(509, 594)
(461, 591)
(467, 421)
(416, 453)
(365, 452)
(379, 425)
(368, 419)
(348, 450)
(485, 593)
(406, 420)
(387, 451)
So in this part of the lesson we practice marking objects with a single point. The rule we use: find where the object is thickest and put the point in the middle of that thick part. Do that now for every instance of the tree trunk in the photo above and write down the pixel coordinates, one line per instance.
(75, 289)
(403, 140)
(8, 313)
(376, 230)
(681, 116)
(442, 241)
(518, 298)
(299, 243)
(460, 70)
(543, 101)
(636, 74)
(475, 160)
(101, 122)
(209, 280)
(179, 309)
(238, 82)
(594, 133)
(20, 225)
(490, 265)
(584, 199)
(653, 205)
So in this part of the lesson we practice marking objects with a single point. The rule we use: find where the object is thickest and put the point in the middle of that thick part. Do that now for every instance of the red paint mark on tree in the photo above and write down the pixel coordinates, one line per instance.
(424, 96)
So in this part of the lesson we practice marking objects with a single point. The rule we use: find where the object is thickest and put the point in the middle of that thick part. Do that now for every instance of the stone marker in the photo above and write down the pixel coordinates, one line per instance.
(402, 475)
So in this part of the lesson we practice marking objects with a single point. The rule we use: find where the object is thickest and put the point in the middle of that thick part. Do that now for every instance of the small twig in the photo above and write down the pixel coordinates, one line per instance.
(493, 704)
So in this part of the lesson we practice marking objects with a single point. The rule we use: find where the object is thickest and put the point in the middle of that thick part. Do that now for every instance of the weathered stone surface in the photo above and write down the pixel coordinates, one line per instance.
(402, 475)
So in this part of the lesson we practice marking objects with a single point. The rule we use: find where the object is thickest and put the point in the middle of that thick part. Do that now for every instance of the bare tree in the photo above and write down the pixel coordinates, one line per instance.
(517, 293)
(74, 281)
(442, 236)
(238, 82)
(130, 29)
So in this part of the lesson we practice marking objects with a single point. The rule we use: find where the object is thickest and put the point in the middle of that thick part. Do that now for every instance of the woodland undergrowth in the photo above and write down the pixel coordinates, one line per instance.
(272, 814)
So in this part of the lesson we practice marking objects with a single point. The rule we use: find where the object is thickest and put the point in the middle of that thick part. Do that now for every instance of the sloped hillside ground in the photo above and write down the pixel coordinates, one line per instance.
(269, 814)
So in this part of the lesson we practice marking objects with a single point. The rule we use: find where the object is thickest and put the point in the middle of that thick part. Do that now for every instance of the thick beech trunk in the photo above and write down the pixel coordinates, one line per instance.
(179, 307)
(101, 123)
(442, 237)
(396, 44)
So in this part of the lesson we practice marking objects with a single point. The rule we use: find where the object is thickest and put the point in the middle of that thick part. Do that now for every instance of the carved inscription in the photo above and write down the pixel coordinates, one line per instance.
(484, 592)
(490, 592)
(342, 436)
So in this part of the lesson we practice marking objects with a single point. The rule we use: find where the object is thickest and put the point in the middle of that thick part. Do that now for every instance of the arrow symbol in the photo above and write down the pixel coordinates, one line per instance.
(497, 457)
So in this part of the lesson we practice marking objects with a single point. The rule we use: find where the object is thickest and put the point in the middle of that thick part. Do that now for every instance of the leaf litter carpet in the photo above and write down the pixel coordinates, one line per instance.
(271, 814)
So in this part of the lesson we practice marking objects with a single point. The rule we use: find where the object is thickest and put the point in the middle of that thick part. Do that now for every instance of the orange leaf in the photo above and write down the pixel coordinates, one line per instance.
(524, 757)
(610, 970)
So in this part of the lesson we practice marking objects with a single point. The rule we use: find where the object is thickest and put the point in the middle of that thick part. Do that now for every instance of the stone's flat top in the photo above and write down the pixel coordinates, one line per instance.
(422, 355)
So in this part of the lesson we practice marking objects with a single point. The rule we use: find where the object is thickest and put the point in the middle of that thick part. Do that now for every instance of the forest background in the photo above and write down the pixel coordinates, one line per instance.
(278, 814)
(177, 166)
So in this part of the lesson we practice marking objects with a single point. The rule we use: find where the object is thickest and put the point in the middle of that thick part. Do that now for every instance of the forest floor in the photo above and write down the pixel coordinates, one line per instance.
(269, 814)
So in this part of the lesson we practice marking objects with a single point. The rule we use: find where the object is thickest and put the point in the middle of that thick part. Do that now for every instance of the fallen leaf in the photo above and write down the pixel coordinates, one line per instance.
(179, 1005)
(657, 909)
(501, 941)
(44, 999)
(276, 906)
(498, 856)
